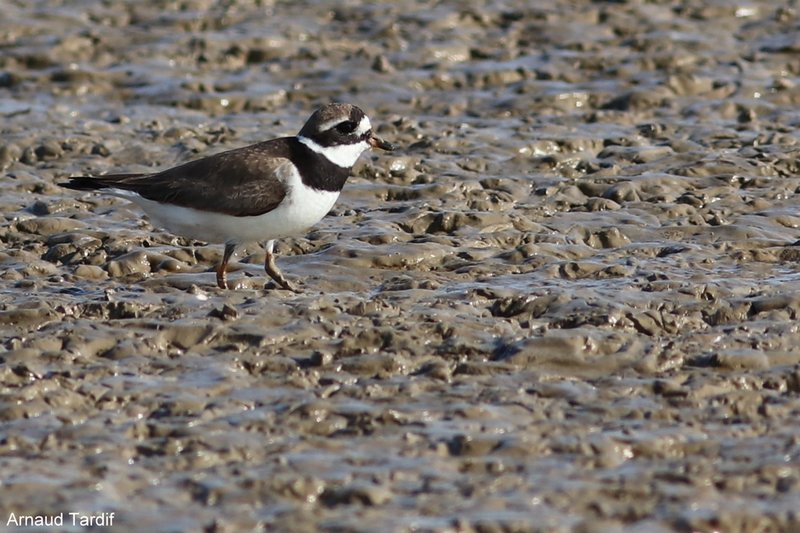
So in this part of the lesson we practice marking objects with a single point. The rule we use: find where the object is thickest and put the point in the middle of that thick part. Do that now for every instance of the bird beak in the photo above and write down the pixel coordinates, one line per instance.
(376, 142)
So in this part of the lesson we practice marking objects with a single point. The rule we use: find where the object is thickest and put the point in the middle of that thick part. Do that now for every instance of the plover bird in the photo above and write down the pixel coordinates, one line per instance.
(262, 192)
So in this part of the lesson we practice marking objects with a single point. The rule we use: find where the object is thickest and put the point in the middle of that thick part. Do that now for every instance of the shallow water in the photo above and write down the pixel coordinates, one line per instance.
(568, 303)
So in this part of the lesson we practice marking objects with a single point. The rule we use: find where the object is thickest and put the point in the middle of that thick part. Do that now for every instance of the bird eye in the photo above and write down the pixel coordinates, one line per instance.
(346, 127)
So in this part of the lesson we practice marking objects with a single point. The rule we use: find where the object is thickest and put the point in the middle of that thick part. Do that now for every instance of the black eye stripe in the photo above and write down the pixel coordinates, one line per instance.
(346, 127)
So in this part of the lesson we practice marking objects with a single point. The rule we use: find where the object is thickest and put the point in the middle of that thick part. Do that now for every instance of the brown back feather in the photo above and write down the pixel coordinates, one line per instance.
(241, 182)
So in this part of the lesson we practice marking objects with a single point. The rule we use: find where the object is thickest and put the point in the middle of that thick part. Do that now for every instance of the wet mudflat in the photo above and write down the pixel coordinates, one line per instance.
(568, 303)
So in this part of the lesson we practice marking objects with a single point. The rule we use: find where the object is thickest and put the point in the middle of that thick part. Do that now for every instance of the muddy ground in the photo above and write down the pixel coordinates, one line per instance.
(569, 302)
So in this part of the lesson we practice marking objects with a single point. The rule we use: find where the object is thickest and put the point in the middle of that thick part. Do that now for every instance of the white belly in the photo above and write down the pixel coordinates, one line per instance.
(301, 208)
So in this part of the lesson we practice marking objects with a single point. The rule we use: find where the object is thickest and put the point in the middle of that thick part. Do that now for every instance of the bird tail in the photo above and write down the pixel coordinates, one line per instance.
(90, 183)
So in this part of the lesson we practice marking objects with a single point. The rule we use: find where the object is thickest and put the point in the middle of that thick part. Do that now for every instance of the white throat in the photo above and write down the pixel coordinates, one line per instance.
(343, 155)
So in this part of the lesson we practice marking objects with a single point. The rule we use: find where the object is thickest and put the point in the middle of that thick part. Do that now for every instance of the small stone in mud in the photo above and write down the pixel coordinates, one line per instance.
(382, 64)
(48, 150)
(226, 312)
(90, 272)
(9, 153)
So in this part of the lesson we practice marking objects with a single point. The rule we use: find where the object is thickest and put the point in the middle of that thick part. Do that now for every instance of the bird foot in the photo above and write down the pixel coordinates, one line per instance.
(274, 272)
(285, 284)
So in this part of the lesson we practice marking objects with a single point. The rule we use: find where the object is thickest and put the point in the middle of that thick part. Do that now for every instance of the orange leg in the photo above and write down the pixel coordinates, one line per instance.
(274, 272)
(222, 278)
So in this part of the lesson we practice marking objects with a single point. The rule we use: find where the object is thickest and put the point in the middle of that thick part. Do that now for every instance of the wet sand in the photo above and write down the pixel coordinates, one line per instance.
(568, 303)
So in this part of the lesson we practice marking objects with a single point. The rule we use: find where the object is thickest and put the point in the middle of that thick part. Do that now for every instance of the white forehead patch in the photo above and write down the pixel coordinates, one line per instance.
(325, 126)
(363, 126)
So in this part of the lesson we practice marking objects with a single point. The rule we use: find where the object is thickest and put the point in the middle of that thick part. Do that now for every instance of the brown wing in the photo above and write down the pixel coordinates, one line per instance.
(243, 182)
